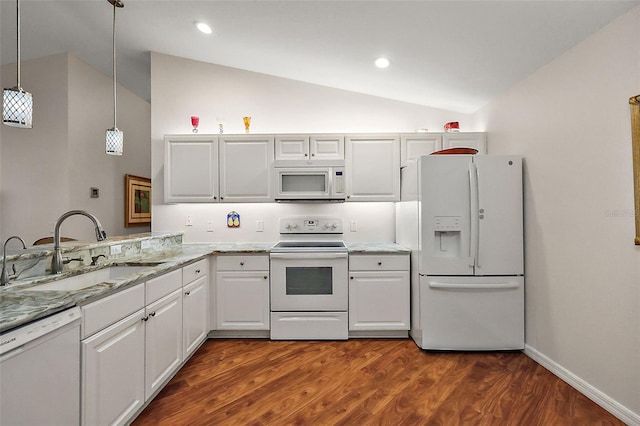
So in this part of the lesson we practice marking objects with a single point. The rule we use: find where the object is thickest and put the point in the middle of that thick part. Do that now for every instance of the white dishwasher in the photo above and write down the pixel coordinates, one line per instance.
(40, 372)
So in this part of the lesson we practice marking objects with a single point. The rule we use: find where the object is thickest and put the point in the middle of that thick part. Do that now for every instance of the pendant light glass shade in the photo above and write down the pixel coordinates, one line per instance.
(17, 105)
(17, 108)
(115, 141)
(114, 137)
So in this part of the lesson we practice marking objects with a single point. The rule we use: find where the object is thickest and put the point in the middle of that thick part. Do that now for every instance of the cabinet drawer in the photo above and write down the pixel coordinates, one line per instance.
(109, 310)
(382, 262)
(163, 285)
(194, 271)
(243, 263)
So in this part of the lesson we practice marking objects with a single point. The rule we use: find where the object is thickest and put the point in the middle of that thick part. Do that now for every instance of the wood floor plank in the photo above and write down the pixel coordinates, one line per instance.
(364, 382)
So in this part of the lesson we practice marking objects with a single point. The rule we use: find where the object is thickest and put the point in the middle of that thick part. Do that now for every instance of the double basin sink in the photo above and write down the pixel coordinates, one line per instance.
(89, 279)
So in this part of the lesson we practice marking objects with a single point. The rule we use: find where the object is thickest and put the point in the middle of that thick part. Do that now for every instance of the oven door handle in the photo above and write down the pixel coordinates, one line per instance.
(314, 256)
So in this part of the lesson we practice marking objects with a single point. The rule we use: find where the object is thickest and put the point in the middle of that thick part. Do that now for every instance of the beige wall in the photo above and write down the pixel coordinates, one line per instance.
(571, 122)
(49, 169)
(181, 88)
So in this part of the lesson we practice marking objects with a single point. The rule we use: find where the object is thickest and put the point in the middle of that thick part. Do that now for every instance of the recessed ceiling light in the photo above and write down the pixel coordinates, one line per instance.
(204, 28)
(382, 62)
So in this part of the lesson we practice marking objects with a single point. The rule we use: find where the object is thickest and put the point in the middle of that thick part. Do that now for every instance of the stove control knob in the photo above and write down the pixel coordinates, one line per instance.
(334, 226)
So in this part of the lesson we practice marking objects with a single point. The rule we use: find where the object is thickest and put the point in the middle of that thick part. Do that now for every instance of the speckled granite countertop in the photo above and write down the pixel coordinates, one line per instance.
(376, 248)
(21, 304)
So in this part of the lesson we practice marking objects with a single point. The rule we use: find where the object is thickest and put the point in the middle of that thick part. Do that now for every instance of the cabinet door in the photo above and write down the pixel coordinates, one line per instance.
(195, 314)
(292, 147)
(242, 300)
(113, 372)
(379, 300)
(465, 140)
(326, 147)
(190, 169)
(414, 145)
(245, 168)
(163, 340)
(372, 166)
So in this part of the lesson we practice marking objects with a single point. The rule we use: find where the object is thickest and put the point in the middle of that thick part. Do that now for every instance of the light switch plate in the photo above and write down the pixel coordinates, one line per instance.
(210, 226)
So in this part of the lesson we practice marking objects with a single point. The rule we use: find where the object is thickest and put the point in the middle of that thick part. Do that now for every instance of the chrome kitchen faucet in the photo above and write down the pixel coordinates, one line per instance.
(56, 263)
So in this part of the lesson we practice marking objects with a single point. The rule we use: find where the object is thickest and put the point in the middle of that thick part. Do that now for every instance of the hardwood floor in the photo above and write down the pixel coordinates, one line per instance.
(364, 382)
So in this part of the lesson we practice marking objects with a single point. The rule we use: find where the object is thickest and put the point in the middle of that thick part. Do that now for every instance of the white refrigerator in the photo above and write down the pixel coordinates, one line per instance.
(462, 217)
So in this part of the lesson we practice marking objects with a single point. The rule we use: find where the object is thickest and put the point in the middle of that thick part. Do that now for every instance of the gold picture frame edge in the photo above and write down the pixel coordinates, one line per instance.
(634, 103)
(131, 219)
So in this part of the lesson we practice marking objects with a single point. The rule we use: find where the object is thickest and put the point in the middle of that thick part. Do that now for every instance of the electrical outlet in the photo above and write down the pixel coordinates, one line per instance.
(354, 226)
(188, 221)
(210, 226)
(115, 249)
(145, 244)
(259, 226)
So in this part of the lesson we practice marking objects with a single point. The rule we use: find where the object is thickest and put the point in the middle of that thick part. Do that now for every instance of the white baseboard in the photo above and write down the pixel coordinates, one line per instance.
(594, 394)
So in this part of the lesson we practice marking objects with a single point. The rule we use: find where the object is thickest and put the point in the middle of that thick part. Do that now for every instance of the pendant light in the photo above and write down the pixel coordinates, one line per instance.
(17, 105)
(114, 136)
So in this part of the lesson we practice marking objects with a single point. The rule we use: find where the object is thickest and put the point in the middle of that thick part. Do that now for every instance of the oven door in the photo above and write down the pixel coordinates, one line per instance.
(309, 281)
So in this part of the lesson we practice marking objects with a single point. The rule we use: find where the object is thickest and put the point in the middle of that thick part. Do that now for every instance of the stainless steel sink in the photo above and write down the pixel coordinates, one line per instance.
(79, 282)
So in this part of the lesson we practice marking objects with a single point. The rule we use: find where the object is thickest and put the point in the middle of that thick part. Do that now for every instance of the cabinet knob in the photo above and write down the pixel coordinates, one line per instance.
(265, 277)
(241, 263)
(152, 314)
(305, 154)
(379, 263)
(215, 198)
(145, 318)
(313, 155)
(222, 198)
(186, 293)
(197, 271)
(351, 277)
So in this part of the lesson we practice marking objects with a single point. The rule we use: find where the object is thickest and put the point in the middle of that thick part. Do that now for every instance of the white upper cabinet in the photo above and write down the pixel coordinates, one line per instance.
(191, 169)
(412, 146)
(309, 149)
(372, 167)
(245, 168)
(477, 140)
(326, 147)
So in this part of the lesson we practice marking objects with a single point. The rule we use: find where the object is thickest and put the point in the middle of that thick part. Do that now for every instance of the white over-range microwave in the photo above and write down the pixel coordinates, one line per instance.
(303, 183)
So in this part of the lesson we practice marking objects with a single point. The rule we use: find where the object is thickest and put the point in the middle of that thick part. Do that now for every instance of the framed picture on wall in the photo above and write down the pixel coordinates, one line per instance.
(137, 201)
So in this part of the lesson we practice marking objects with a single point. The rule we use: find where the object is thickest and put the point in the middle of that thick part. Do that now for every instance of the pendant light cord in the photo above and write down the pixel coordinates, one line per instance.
(115, 95)
(18, 38)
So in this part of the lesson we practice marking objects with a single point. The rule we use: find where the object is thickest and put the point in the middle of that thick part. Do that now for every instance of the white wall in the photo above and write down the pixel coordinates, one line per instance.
(35, 164)
(49, 169)
(181, 88)
(571, 122)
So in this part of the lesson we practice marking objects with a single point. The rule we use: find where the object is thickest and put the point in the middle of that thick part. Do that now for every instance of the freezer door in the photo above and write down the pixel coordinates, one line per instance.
(499, 215)
(445, 228)
(472, 313)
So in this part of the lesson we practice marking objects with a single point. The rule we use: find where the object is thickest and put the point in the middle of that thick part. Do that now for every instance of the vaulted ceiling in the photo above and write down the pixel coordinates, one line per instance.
(454, 55)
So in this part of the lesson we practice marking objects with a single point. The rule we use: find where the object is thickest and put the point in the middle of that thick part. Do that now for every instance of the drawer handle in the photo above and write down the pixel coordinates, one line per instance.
(152, 314)
(379, 263)
(197, 271)
(241, 263)
(186, 293)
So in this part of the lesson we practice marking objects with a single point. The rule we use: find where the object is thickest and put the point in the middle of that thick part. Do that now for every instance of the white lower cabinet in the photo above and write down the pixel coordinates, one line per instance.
(379, 293)
(125, 361)
(113, 372)
(163, 340)
(242, 293)
(195, 315)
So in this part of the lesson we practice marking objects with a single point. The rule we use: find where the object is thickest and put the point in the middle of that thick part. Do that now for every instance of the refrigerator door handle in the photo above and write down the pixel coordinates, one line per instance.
(474, 242)
(469, 286)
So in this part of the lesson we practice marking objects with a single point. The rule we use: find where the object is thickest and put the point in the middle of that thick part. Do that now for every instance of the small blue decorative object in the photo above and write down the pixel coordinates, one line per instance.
(233, 220)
